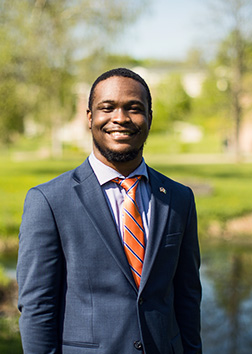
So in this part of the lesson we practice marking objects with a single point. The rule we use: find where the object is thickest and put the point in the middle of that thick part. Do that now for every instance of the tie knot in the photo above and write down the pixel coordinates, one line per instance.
(129, 184)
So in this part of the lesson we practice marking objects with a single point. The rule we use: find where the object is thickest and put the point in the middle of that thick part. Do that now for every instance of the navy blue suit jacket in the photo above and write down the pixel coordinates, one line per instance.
(76, 291)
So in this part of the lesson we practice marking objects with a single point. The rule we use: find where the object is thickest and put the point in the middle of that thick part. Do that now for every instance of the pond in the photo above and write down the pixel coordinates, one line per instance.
(9, 261)
(226, 275)
(227, 299)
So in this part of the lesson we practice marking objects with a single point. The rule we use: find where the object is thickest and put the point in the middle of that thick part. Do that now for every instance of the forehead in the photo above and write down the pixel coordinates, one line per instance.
(118, 88)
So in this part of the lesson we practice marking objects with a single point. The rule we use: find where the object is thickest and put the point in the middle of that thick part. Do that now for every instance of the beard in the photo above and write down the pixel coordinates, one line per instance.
(114, 156)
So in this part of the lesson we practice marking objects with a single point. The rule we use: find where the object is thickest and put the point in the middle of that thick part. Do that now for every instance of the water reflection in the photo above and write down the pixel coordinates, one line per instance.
(227, 299)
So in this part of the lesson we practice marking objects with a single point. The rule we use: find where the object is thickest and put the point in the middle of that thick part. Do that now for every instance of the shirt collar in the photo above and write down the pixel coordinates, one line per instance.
(105, 173)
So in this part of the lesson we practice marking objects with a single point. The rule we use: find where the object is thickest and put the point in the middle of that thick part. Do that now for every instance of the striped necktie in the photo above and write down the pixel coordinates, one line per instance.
(133, 231)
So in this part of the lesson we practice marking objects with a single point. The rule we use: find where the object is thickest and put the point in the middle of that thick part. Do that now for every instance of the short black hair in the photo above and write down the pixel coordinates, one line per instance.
(124, 73)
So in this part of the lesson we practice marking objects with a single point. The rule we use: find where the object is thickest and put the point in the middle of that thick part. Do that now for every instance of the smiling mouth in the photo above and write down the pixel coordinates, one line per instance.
(120, 133)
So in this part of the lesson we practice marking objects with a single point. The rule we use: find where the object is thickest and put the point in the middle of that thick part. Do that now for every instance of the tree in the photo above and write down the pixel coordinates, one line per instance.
(101, 61)
(211, 109)
(171, 103)
(234, 17)
(42, 40)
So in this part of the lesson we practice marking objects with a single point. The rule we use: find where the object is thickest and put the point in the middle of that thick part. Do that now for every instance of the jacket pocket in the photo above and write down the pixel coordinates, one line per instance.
(172, 239)
(80, 344)
(176, 343)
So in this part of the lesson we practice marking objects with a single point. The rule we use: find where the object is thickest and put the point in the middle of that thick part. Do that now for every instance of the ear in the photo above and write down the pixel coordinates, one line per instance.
(89, 117)
(150, 119)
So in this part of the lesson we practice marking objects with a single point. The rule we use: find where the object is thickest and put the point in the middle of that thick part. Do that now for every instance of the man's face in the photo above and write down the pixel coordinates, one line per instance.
(119, 119)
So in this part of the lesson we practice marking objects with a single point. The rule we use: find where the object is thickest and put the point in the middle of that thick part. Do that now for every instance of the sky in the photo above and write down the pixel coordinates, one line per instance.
(167, 30)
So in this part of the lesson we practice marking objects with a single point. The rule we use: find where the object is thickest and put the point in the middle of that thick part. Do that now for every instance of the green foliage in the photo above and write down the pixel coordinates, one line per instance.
(39, 43)
(248, 56)
(212, 108)
(100, 61)
(12, 110)
(220, 107)
(170, 103)
(234, 56)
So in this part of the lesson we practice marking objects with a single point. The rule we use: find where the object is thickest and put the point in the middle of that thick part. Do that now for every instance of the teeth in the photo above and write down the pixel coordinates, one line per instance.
(120, 133)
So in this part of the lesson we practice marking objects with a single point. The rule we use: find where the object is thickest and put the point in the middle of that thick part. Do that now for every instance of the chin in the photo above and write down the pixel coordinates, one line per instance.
(119, 156)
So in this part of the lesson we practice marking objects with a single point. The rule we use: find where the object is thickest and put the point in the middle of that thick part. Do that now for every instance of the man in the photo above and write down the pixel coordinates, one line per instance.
(109, 257)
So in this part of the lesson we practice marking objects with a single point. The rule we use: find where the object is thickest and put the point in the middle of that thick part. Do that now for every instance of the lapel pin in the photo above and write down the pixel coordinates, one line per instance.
(162, 190)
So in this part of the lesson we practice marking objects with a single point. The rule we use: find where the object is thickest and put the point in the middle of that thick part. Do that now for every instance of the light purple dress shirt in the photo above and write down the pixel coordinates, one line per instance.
(115, 194)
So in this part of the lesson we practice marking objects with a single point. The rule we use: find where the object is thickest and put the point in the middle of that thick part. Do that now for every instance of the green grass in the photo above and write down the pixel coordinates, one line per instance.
(16, 177)
(222, 191)
(169, 143)
(226, 193)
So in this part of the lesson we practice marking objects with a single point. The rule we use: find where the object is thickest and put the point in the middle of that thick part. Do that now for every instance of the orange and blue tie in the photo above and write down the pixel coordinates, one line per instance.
(133, 230)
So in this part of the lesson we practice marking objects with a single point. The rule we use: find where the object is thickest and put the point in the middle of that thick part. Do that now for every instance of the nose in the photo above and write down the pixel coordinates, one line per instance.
(120, 116)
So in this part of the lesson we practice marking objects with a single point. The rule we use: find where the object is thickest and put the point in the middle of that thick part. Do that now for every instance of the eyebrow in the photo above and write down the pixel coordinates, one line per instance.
(126, 103)
(106, 101)
(136, 102)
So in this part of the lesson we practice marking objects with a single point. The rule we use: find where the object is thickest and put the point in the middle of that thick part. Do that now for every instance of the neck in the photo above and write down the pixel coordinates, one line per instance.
(124, 168)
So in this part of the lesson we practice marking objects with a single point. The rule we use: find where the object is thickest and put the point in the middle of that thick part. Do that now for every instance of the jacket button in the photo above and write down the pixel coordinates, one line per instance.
(141, 301)
(138, 345)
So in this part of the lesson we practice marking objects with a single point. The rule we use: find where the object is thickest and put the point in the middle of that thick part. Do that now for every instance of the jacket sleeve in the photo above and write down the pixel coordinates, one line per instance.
(187, 286)
(39, 271)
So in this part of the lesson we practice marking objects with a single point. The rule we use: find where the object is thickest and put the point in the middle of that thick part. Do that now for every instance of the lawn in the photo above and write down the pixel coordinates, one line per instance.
(222, 191)
(16, 177)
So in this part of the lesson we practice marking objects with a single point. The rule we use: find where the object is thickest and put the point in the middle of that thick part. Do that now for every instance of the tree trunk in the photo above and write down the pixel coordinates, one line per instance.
(237, 88)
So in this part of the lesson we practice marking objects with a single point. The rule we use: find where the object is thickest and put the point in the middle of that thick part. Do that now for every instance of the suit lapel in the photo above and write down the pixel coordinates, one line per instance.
(160, 196)
(93, 200)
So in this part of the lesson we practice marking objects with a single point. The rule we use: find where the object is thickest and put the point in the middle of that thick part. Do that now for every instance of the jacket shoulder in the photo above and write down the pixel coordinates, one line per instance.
(65, 180)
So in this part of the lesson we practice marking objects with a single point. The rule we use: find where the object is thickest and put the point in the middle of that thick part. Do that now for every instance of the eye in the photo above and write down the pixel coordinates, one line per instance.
(107, 108)
(136, 109)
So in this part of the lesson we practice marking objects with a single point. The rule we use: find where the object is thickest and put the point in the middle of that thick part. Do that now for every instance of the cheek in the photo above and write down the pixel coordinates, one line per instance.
(98, 121)
(145, 128)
